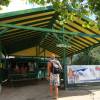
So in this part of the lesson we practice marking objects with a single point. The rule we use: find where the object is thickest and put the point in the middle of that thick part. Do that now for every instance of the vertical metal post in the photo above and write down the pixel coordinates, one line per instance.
(3, 53)
(44, 54)
(0, 50)
(71, 59)
(64, 63)
(65, 68)
(45, 62)
(0, 64)
(39, 50)
(89, 49)
(36, 51)
(88, 56)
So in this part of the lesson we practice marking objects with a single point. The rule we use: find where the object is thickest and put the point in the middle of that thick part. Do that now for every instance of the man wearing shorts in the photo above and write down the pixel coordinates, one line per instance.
(53, 78)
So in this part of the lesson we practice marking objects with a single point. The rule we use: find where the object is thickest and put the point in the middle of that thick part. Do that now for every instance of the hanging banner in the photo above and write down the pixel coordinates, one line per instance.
(83, 73)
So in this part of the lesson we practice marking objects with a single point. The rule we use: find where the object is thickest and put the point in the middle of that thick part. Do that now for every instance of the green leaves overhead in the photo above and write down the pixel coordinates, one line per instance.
(65, 8)
(40, 2)
(4, 2)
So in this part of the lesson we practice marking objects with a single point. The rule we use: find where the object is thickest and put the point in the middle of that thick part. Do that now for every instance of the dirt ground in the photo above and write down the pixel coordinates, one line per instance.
(40, 91)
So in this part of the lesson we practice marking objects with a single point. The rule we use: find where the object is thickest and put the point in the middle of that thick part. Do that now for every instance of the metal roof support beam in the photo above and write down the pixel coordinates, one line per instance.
(0, 50)
(62, 39)
(44, 37)
(49, 30)
(57, 37)
(39, 50)
(36, 50)
(3, 31)
(37, 29)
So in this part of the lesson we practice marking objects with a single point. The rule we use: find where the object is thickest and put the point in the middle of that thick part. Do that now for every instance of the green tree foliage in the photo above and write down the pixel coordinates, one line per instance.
(80, 7)
(4, 3)
(95, 55)
(83, 58)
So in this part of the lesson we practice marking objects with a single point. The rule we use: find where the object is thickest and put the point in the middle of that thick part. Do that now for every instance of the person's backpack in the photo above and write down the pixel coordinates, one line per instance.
(55, 69)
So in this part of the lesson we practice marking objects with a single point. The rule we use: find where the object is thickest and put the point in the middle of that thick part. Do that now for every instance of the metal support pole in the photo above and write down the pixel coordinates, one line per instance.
(88, 56)
(65, 68)
(3, 53)
(45, 62)
(0, 65)
(44, 54)
(0, 50)
(71, 59)
(65, 64)
(37, 50)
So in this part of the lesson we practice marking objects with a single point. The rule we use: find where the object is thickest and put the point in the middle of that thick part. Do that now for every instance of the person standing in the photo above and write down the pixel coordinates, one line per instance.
(53, 76)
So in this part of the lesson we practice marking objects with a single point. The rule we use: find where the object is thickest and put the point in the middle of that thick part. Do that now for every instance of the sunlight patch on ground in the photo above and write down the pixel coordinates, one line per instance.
(85, 97)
